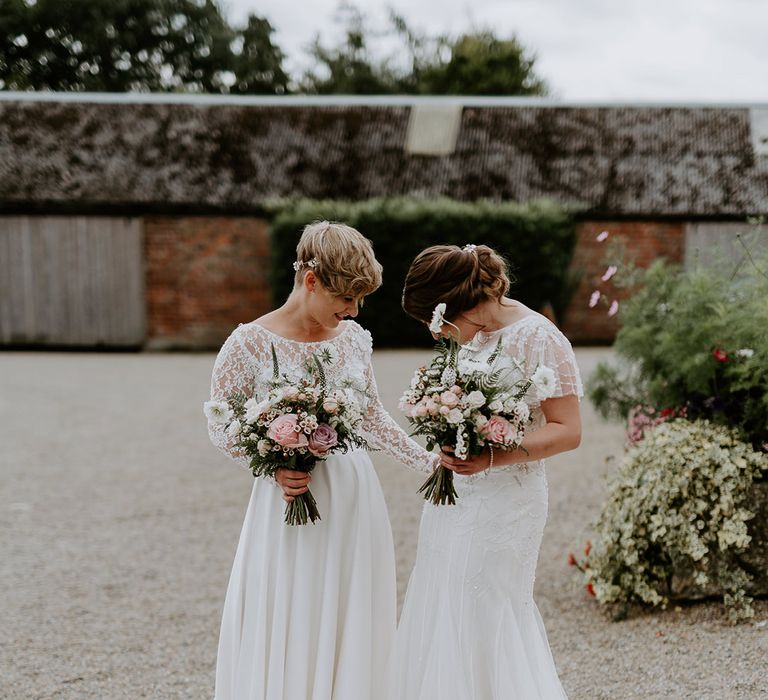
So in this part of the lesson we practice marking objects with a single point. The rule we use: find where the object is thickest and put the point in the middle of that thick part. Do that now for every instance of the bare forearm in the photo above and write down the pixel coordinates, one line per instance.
(549, 440)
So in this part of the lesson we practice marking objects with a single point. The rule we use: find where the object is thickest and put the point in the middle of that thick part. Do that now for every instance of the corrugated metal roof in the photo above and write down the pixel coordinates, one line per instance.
(234, 153)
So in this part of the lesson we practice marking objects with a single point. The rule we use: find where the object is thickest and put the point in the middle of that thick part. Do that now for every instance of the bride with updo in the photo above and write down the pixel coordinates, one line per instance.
(470, 629)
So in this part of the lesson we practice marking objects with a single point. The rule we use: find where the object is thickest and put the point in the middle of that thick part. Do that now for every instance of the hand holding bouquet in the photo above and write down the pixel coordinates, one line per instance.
(470, 405)
(299, 423)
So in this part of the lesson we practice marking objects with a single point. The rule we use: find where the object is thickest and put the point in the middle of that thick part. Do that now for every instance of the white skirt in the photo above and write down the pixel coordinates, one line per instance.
(310, 610)
(470, 629)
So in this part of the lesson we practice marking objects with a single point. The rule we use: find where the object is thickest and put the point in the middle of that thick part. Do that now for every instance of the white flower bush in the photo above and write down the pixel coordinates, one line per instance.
(678, 501)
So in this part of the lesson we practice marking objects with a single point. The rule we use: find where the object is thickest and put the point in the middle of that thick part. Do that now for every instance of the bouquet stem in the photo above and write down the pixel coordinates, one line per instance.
(438, 488)
(302, 509)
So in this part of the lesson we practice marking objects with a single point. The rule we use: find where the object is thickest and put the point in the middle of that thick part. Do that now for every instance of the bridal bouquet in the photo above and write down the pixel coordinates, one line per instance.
(300, 422)
(470, 404)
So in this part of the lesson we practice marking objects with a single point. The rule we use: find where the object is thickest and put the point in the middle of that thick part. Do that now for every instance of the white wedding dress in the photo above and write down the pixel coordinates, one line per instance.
(470, 629)
(310, 610)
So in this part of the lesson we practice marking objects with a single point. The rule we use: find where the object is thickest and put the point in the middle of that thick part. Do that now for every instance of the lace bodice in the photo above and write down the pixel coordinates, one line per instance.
(535, 341)
(244, 365)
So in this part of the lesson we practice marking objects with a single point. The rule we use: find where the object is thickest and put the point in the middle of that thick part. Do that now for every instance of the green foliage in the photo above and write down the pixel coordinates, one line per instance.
(473, 63)
(679, 502)
(693, 339)
(537, 238)
(480, 64)
(134, 45)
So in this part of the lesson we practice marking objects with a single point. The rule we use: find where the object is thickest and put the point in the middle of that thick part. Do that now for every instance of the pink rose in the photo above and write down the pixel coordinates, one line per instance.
(283, 431)
(448, 398)
(322, 439)
(421, 410)
(499, 430)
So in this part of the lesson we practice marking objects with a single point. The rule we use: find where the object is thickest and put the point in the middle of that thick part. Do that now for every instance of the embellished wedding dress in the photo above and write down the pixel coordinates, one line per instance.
(470, 629)
(310, 610)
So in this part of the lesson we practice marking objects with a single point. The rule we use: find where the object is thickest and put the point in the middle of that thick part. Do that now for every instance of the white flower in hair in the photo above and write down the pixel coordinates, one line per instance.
(438, 319)
(469, 248)
(312, 264)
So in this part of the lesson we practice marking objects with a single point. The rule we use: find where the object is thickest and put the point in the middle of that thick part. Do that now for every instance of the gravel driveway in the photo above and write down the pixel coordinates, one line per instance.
(119, 520)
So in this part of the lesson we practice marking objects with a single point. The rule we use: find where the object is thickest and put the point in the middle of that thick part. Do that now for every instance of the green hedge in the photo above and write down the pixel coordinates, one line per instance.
(536, 238)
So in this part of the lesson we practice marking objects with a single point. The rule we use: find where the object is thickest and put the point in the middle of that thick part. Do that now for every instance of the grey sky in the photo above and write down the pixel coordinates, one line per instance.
(626, 50)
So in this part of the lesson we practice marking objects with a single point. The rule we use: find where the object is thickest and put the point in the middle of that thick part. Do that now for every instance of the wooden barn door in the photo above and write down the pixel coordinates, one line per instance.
(71, 281)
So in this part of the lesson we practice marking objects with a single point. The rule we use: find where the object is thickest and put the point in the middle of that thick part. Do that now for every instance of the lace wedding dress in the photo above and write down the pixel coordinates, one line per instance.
(470, 629)
(310, 610)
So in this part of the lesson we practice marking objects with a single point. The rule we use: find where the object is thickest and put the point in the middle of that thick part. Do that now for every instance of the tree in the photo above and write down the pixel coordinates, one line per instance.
(474, 63)
(479, 64)
(348, 68)
(134, 45)
(258, 67)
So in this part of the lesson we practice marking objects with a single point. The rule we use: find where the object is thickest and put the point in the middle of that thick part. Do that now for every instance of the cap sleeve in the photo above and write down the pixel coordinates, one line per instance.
(547, 346)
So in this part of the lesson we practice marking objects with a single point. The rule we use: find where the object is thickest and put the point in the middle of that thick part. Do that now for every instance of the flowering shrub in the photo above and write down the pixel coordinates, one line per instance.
(693, 340)
(677, 502)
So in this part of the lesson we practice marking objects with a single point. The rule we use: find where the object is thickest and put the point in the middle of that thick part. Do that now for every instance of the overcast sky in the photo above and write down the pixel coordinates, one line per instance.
(615, 50)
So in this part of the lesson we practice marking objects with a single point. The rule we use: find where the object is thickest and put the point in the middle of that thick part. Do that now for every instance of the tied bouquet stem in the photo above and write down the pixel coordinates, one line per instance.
(469, 404)
(301, 422)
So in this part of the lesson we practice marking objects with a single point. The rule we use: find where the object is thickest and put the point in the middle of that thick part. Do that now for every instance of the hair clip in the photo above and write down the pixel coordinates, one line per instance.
(469, 248)
(312, 264)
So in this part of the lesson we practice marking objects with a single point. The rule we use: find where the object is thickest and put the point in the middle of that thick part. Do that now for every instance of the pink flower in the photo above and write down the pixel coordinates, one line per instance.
(322, 440)
(284, 431)
(499, 430)
(614, 308)
(601, 236)
(594, 299)
(448, 398)
(610, 272)
(331, 405)
(421, 410)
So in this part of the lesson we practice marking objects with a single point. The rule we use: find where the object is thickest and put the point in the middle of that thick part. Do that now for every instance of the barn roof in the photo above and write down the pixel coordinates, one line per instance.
(228, 154)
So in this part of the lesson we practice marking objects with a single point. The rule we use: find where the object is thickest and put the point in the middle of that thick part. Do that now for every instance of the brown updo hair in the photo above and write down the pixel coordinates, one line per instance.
(461, 278)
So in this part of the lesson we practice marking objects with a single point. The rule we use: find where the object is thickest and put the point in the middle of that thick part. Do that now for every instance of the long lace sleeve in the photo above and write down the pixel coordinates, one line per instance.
(383, 433)
(232, 373)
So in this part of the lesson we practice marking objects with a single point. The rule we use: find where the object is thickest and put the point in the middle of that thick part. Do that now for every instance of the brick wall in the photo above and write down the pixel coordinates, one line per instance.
(204, 275)
(646, 241)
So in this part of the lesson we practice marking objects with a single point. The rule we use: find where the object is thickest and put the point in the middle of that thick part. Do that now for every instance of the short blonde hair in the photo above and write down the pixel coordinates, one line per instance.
(340, 256)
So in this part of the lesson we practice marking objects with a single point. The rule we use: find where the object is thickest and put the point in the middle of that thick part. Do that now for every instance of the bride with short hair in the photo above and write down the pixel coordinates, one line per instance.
(310, 610)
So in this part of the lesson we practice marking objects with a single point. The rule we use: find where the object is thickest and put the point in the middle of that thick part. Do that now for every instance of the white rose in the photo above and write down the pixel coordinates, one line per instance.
(509, 405)
(480, 421)
(522, 411)
(254, 409)
(454, 416)
(495, 406)
(264, 447)
(234, 428)
(218, 412)
(745, 352)
(475, 399)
